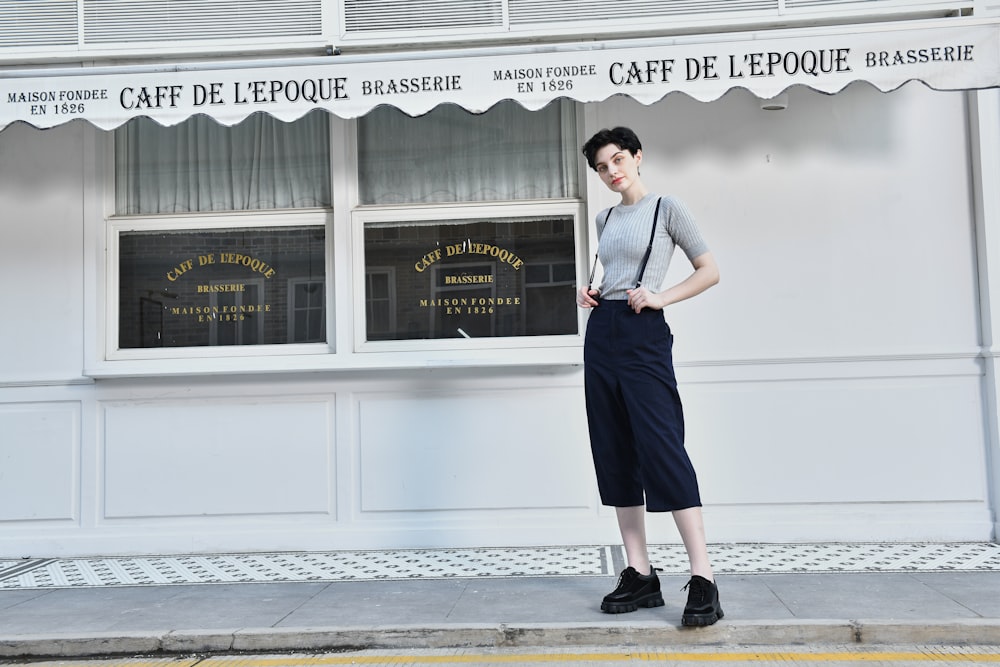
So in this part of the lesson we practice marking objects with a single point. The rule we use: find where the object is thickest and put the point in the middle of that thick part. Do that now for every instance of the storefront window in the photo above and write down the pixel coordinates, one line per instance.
(450, 155)
(470, 278)
(245, 286)
(465, 229)
(199, 165)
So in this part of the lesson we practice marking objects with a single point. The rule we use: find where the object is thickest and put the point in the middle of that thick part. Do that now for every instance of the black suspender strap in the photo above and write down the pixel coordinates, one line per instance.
(593, 268)
(649, 248)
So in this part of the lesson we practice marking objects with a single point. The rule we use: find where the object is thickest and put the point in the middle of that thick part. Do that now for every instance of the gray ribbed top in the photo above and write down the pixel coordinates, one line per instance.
(622, 243)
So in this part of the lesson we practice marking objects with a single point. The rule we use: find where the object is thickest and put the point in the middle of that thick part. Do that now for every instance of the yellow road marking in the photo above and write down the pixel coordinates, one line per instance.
(956, 656)
(843, 656)
(110, 662)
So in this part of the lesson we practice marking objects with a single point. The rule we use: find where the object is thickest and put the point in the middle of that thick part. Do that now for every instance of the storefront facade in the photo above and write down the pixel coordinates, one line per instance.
(297, 301)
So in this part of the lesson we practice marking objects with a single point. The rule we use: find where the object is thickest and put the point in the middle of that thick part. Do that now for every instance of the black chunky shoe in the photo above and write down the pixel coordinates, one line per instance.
(633, 590)
(703, 606)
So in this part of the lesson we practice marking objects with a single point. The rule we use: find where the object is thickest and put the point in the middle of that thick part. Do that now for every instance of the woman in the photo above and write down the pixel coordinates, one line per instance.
(633, 408)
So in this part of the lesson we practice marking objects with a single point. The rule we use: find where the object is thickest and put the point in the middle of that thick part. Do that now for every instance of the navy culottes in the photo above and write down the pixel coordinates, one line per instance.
(634, 411)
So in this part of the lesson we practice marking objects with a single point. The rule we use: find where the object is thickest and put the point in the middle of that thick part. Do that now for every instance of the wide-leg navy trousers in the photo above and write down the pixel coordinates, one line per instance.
(634, 412)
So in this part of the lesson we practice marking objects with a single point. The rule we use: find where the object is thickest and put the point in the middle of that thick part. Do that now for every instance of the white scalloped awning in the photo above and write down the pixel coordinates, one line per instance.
(949, 54)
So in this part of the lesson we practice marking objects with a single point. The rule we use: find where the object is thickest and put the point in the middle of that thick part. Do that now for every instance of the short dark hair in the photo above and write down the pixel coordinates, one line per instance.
(622, 137)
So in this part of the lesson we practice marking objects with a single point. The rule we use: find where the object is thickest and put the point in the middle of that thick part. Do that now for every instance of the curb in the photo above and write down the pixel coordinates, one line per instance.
(984, 632)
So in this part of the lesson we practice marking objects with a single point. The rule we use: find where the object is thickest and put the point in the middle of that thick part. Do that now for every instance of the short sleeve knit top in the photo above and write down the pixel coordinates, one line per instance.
(622, 243)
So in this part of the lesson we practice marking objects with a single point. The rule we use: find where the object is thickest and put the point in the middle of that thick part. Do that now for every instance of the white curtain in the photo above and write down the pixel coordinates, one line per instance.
(451, 155)
(199, 165)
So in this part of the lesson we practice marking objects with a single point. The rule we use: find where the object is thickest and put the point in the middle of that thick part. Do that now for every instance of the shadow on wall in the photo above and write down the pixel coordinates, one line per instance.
(853, 122)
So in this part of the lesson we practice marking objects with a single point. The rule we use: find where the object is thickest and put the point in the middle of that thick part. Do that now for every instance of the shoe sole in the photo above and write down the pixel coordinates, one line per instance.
(655, 600)
(701, 620)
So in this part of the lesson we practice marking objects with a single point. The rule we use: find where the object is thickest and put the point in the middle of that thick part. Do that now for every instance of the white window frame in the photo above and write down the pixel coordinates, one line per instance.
(550, 283)
(290, 285)
(389, 271)
(497, 211)
(346, 349)
(206, 222)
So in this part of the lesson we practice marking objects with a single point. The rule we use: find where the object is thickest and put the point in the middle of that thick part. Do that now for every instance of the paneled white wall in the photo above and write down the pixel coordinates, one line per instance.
(39, 462)
(487, 449)
(831, 381)
(841, 441)
(218, 457)
(41, 252)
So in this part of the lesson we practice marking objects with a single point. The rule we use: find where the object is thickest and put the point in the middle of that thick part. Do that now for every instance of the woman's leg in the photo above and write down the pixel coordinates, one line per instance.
(691, 526)
(632, 525)
(638, 585)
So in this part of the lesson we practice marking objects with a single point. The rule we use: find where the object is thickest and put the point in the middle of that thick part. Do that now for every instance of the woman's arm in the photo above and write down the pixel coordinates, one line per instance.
(706, 274)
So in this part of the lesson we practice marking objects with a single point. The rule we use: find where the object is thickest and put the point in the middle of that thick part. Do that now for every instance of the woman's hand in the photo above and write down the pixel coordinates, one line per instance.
(587, 297)
(640, 298)
(706, 274)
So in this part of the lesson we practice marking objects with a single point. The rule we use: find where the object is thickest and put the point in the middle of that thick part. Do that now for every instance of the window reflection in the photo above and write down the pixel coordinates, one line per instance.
(470, 278)
(250, 286)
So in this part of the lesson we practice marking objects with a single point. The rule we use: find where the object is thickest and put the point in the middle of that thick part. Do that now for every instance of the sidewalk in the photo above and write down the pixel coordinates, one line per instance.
(926, 605)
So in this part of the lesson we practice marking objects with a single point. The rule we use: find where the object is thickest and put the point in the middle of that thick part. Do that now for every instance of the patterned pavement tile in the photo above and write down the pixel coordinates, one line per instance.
(486, 562)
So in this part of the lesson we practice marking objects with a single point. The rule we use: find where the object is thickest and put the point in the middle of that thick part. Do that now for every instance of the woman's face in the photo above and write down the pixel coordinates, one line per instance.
(618, 168)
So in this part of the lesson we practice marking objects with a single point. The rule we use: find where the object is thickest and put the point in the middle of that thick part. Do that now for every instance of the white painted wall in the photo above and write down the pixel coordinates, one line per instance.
(832, 380)
(984, 122)
(41, 252)
(843, 225)
(41, 333)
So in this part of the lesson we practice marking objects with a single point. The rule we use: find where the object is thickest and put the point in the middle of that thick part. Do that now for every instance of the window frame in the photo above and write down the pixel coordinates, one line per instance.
(362, 215)
(390, 272)
(207, 222)
(345, 276)
(292, 284)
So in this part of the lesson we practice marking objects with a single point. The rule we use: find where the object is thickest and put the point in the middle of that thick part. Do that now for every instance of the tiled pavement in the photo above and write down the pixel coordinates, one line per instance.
(832, 594)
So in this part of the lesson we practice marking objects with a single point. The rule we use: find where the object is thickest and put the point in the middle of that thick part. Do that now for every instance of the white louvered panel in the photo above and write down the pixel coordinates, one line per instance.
(791, 4)
(108, 21)
(379, 15)
(37, 22)
(530, 11)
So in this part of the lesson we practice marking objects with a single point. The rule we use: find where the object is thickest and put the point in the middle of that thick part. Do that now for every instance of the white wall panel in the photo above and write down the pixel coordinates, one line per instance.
(217, 458)
(849, 522)
(474, 450)
(39, 461)
(843, 441)
(41, 252)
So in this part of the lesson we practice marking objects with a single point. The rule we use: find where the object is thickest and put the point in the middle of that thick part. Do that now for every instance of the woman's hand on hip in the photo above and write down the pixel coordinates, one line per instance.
(587, 297)
(706, 274)
(640, 298)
